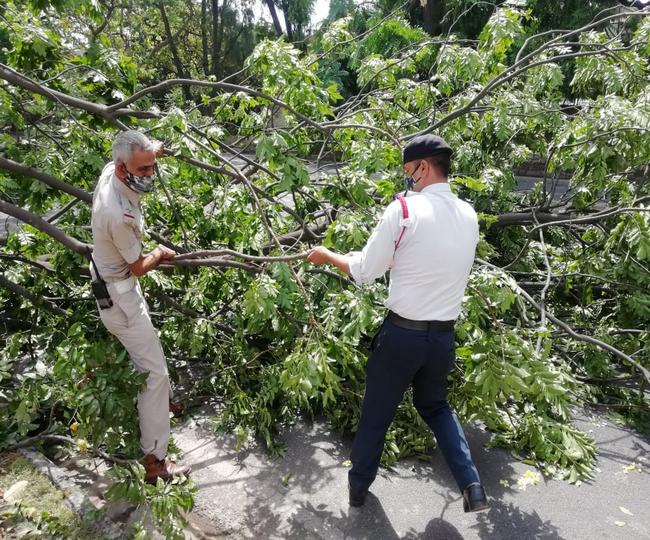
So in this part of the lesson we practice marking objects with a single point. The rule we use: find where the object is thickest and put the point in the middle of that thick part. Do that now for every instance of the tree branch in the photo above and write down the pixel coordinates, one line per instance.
(36, 300)
(119, 108)
(575, 335)
(187, 311)
(254, 258)
(180, 70)
(23, 170)
(46, 437)
(18, 79)
(517, 69)
(210, 262)
(546, 219)
(39, 223)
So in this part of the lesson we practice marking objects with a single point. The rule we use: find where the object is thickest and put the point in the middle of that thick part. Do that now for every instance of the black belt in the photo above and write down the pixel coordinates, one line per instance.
(403, 322)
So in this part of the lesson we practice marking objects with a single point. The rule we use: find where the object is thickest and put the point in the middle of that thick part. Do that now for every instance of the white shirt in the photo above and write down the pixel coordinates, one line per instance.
(117, 225)
(432, 263)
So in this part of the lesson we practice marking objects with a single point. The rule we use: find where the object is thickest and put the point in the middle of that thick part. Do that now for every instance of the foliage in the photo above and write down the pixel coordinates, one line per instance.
(274, 340)
(165, 505)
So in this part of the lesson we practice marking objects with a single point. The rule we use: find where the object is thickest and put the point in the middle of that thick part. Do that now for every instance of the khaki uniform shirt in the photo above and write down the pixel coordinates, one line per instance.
(117, 226)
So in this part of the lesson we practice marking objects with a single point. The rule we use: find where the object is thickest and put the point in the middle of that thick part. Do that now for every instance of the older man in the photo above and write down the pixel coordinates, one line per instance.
(428, 242)
(117, 226)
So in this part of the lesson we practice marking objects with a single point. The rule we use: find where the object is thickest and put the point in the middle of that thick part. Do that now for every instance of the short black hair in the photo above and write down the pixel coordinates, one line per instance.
(441, 162)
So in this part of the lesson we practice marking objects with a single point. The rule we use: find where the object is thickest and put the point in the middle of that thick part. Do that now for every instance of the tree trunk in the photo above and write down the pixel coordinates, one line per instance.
(204, 37)
(434, 11)
(216, 22)
(219, 46)
(274, 16)
(172, 45)
(287, 22)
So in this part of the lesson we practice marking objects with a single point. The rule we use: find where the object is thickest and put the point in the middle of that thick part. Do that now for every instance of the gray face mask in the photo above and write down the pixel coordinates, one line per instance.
(141, 184)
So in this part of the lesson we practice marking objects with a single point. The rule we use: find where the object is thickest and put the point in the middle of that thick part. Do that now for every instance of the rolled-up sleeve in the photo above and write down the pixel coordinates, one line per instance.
(377, 255)
(126, 241)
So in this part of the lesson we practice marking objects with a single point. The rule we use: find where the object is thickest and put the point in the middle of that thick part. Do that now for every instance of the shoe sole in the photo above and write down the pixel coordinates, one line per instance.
(479, 509)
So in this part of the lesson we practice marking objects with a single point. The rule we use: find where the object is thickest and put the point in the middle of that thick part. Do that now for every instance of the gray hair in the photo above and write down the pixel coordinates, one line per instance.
(126, 142)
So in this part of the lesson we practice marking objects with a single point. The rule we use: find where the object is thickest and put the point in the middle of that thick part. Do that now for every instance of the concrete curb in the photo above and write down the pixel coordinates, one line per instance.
(75, 498)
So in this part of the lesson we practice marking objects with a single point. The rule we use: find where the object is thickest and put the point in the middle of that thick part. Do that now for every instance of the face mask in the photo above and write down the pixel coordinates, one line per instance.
(141, 184)
(410, 180)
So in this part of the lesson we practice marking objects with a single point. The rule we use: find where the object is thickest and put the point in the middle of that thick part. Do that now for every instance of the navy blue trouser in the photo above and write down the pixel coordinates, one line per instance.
(401, 357)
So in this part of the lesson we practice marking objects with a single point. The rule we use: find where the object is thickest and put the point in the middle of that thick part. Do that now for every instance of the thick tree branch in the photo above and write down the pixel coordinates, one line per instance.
(292, 238)
(34, 299)
(35, 264)
(229, 252)
(178, 63)
(18, 168)
(170, 83)
(211, 262)
(18, 79)
(171, 39)
(591, 219)
(39, 223)
(526, 218)
(545, 219)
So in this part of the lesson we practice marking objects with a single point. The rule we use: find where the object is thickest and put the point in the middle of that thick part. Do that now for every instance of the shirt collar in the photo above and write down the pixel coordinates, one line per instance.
(441, 187)
(125, 190)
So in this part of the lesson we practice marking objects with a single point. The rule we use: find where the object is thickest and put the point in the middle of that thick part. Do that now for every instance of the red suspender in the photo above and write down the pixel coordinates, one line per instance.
(405, 215)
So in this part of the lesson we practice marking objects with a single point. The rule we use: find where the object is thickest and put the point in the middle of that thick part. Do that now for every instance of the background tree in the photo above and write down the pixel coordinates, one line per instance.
(469, 16)
(557, 311)
(340, 8)
(296, 15)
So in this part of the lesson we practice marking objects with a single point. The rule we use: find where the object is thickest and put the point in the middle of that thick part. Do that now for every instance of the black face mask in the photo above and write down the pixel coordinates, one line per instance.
(410, 180)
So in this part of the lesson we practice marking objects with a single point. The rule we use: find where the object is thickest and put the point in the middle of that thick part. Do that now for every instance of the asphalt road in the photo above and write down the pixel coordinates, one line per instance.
(303, 495)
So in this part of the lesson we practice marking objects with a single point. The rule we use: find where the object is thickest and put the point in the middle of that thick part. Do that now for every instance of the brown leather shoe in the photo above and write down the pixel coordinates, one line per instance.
(176, 407)
(162, 468)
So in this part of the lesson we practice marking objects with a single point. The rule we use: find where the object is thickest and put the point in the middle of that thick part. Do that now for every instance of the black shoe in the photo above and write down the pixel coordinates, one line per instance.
(357, 498)
(474, 499)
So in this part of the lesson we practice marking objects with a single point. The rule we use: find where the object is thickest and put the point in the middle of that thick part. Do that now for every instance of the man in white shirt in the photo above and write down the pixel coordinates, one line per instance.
(428, 242)
(117, 226)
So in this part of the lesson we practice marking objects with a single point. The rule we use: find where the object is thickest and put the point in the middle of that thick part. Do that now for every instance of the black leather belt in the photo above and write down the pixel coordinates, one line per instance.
(403, 322)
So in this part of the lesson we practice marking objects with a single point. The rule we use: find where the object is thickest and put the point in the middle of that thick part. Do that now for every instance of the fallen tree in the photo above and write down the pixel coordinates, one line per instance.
(257, 172)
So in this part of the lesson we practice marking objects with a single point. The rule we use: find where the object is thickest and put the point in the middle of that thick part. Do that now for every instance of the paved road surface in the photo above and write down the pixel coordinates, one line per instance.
(303, 495)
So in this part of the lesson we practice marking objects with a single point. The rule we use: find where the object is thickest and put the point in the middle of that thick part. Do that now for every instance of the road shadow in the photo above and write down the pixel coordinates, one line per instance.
(616, 441)
(313, 453)
(505, 521)
(368, 522)
(304, 494)
(496, 466)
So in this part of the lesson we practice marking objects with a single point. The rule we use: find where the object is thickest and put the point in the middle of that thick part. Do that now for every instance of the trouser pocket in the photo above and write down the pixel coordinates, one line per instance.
(132, 304)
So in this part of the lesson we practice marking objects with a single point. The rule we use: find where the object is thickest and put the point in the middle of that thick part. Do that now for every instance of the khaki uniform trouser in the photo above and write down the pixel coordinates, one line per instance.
(128, 320)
